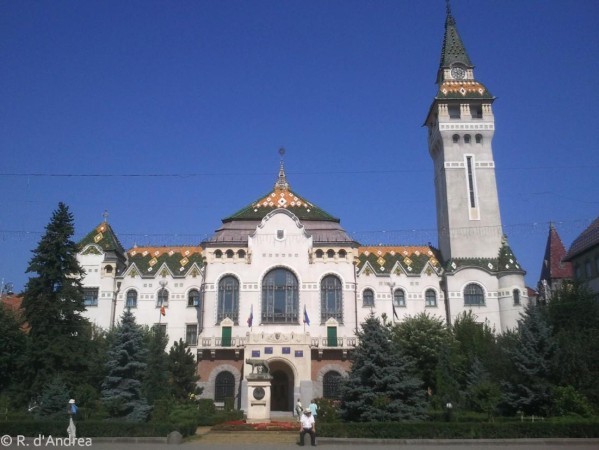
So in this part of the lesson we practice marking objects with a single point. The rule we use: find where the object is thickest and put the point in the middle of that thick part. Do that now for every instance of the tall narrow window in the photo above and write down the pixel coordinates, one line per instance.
(193, 298)
(399, 297)
(430, 298)
(331, 299)
(474, 295)
(228, 299)
(330, 385)
(516, 297)
(162, 298)
(470, 181)
(280, 297)
(368, 297)
(131, 298)
(224, 386)
(191, 335)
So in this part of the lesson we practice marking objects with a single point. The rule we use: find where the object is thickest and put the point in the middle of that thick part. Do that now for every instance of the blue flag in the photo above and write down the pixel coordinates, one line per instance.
(251, 318)
(306, 318)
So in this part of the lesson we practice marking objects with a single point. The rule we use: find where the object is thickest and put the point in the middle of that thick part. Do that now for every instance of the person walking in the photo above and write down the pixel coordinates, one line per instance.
(307, 425)
(313, 409)
(299, 409)
(71, 411)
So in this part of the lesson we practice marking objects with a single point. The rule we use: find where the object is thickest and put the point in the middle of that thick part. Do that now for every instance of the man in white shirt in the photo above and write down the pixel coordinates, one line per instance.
(307, 425)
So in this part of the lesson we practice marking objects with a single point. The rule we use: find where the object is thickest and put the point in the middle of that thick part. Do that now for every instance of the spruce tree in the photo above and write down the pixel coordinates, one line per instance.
(529, 388)
(126, 366)
(53, 303)
(54, 398)
(155, 384)
(182, 368)
(381, 385)
(12, 348)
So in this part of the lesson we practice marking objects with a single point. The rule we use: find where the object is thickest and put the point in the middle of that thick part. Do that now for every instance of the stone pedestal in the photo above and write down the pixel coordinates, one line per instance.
(258, 400)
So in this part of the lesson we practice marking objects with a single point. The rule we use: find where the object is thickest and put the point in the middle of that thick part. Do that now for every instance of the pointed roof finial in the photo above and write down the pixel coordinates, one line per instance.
(105, 215)
(448, 7)
(282, 180)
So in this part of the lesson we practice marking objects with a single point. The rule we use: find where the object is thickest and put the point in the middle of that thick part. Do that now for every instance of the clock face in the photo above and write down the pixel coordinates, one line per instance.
(458, 73)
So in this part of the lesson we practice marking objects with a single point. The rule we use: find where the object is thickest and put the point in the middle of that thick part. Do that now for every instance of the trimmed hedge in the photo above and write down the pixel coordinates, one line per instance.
(92, 428)
(457, 430)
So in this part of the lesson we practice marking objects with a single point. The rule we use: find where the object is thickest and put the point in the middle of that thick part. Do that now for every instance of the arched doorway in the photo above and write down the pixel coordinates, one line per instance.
(281, 387)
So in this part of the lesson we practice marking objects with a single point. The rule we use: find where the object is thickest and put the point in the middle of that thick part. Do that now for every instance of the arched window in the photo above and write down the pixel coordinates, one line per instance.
(474, 295)
(399, 297)
(455, 138)
(131, 298)
(331, 299)
(330, 385)
(218, 254)
(224, 386)
(479, 138)
(280, 297)
(368, 297)
(342, 253)
(241, 254)
(228, 299)
(330, 253)
(193, 298)
(230, 253)
(516, 294)
(162, 298)
(430, 298)
(319, 253)
(467, 138)
(108, 269)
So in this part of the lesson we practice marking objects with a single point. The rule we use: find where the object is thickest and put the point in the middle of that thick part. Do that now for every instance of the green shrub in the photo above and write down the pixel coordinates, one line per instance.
(328, 410)
(568, 401)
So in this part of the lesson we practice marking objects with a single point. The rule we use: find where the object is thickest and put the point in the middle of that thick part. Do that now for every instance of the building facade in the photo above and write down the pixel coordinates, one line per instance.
(281, 280)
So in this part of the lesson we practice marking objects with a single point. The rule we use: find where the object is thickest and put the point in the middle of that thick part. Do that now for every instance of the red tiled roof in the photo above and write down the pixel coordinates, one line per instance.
(587, 239)
(554, 264)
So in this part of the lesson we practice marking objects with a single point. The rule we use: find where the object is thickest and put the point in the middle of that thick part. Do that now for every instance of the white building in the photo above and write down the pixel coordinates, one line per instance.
(282, 260)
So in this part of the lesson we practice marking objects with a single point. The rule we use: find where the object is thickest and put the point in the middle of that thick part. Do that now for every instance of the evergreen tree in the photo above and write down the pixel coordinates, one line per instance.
(482, 392)
(381, 385)
(423, 338)
(12, 348)
(183, 368)
(126, 366)
(54, 398)
(53, 303)
(529, 388)
(155, 384)
(476, 340)
(574, 317)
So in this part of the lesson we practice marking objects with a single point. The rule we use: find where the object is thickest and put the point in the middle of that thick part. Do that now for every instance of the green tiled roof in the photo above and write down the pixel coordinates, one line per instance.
(412, 260)
(281, 198)
(505, 262)
(453, 48)
(149, 260)
(104, 237)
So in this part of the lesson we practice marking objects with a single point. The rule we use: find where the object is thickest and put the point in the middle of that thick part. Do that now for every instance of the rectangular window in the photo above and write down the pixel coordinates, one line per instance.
(191, 335)
(331, 336)
(454, 111)
(90, 296)
(226, 336)
(476, 111)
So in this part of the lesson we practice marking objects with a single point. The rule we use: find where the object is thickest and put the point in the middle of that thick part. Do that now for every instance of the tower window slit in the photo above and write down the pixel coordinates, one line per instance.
(470, 181)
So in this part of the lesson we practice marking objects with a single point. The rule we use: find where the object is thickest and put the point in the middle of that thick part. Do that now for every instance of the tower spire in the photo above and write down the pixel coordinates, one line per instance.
(282, 180)
(453, 51)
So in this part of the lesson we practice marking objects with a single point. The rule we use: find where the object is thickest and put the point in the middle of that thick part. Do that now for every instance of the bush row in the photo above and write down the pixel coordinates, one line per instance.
(461, 430)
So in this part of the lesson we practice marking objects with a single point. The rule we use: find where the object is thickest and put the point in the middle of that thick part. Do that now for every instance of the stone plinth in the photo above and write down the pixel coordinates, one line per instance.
(258, 409)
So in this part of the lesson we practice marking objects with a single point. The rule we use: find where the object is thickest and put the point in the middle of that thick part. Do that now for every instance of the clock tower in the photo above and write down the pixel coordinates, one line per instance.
(460, 126)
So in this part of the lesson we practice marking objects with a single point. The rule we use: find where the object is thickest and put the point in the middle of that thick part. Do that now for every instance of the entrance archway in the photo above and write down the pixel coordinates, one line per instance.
(281, 387)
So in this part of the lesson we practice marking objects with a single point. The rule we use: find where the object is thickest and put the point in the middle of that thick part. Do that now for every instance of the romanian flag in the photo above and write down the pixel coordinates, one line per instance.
(251, 318)
(306, 318)
(162, 311)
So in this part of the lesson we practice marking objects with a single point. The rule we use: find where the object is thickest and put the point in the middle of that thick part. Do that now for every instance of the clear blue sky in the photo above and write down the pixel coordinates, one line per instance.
(169, 115)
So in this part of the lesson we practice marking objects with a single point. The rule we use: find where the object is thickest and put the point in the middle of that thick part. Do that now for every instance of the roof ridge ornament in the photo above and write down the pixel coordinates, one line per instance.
(282, 183)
